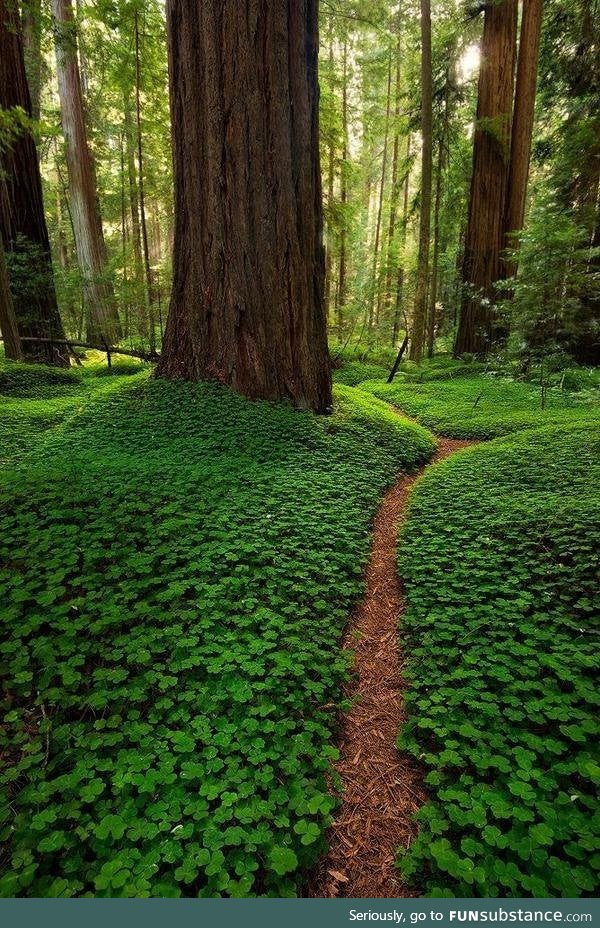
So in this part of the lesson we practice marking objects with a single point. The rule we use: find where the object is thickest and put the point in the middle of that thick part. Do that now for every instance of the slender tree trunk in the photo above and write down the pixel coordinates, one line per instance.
(342, 273)
(376, 298)
(330, 194)
(522, 127)
(395, 181)
(420, 307)
(247, 302)
(142, 196)
(101, 311)
(31, 17)
(400, 277)
(8, 319)
(431, 318)
(491, 146)
(22, 221)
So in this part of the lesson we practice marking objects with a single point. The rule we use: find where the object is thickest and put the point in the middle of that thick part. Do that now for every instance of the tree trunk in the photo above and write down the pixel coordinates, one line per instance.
(142, 196)
(22, 221)
(8, 319)
(330, 194)
(342, 274)
(395, 181)
(420, 307)
(376, 297)
(431, 318)
(31, 17)
(491, 145)
(101, 311)
(522, 128)
(247, 304)
(400, 278)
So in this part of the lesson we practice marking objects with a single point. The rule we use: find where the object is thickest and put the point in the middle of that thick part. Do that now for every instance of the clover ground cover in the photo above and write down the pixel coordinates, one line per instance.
(176, 566)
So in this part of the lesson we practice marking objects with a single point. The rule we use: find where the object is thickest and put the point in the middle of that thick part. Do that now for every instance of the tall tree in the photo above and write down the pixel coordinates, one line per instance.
(420, 308)
(343, 260)
(22, 220)
(247, 302)
(522, 126)
(491, 147)
(102, 319)
(31, 17)
(8, 318)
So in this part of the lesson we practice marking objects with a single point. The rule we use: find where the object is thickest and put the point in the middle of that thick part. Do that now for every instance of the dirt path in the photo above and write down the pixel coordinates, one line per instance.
(381, 787)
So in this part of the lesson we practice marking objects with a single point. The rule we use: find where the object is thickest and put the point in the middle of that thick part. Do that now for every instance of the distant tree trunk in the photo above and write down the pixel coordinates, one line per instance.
(395, 182)
(522, 127)
(330, 194)
(376, 298)
(101, 310)
(342, 273)
(491, 145)
(8, 319)
(22, 221)
(400, 278)
(420, 308)
(31, 17)
(142, 196)
(433, 290)
(247, 304)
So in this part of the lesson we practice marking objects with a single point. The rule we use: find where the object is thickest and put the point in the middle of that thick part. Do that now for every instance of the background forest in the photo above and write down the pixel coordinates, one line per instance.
(384, 182)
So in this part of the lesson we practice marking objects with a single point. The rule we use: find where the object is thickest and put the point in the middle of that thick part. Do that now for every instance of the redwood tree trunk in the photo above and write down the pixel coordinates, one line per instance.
(420, 308)
(8, 319)
(31, 16)
(491, 146)
(343, 262)
(247, 304)
(22, 220)
(102, 319)
(522, 128)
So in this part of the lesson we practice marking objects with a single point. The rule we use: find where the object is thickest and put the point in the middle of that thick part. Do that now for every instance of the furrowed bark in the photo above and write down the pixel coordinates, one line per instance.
(491, 148)
(22, 221)
(247, 305)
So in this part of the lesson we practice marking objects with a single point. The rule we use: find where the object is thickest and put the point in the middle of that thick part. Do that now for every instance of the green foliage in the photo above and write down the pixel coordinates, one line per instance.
(176, 566)
(354, 373)
(484, 407)
(500, 559)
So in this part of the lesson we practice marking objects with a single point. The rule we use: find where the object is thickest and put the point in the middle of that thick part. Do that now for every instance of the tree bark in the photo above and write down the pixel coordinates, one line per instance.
(376, 297)
(395, 180)
(247, 304)
(431, 317)
(491, 147)
(31, 17)
(342, 273)
(400, 278)
(522, 127)
(8, 319)
(142, 196)
(102, 320)
(420, 308)
(22, 221)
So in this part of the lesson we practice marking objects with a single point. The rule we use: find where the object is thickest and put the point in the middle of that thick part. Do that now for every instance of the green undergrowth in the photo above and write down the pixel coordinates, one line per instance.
(177, 565)
(484, 407)
(500, 560)
(35, 399)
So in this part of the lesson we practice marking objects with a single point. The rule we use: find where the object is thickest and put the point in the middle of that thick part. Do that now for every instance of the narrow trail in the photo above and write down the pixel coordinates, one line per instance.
(382, 788)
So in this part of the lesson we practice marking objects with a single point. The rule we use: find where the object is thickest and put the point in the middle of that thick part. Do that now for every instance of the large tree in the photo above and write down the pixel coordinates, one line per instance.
(102, 321)
(247, 304)
(522, 127)
(417, 340)
(491, 147)
(22, 220)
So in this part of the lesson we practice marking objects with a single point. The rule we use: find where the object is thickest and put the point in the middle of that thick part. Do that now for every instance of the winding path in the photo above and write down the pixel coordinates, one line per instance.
(382, 788)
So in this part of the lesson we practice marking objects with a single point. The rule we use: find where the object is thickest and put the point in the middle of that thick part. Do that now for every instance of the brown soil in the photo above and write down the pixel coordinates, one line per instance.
(382, 788)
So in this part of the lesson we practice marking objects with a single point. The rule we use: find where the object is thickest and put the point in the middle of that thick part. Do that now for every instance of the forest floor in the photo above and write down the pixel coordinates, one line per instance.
(177, 571)
(382, 788)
